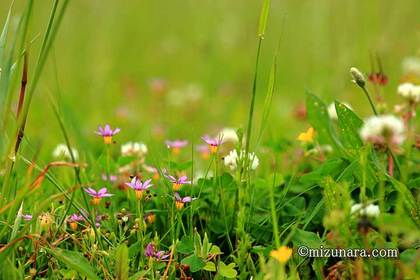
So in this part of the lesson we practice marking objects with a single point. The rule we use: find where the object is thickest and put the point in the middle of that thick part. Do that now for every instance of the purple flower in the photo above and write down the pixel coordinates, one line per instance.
(180, 201)
(97, 195)
(139, 187)
(150, 252)
(73, 221)
(107, 132)
(177, 182)
(176, 145)
(98, 220)
(75, 218)
(27, 217)
(213, 143)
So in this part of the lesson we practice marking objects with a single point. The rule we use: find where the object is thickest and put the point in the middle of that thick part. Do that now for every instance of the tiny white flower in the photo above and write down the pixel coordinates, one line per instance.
(134, 149)
(381, 130)
(370, 210)
(232, 159)
(62, 151)
(410, 92)
(333, 113)
(228, 135)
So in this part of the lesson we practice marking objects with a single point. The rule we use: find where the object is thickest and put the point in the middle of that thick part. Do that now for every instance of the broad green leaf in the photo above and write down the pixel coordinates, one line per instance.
(186, 245)
(227, 271)
(332, 167)
(410, 204)
(210, 266)
(306, 238)
(121, 262)
(319, 119)
(74, 260)
(349, 124)
(195, 263)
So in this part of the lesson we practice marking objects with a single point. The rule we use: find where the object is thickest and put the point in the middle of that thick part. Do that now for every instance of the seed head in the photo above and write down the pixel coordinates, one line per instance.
(358, 77)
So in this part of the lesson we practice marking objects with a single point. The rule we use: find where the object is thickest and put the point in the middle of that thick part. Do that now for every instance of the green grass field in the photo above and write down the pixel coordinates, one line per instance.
(260, 78)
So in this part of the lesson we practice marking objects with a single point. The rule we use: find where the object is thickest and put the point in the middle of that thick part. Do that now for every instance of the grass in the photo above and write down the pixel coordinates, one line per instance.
(302, 178)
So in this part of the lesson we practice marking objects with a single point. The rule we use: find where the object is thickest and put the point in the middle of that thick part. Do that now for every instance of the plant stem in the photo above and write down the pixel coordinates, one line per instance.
(370, 100)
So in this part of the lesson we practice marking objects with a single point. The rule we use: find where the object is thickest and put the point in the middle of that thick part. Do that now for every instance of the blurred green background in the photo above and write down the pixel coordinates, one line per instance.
(107, 54)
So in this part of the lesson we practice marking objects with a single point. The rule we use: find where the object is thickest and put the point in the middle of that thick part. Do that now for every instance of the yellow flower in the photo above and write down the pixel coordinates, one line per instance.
(307, 137)
(282, 254)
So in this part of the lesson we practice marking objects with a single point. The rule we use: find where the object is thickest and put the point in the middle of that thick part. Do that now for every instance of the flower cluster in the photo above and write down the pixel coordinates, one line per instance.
(151, 252)
(383, 131)
(232, 160)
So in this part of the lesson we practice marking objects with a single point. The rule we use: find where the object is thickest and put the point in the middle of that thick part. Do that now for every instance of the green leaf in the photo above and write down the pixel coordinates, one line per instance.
(210, 266)
(332, 167)
(194, 262)
(349, 124)
(263, 18)
(121, 262)
(215, 250)
(186, 245)
(319, 119)
(306, 238)
(74, 260)
(227, 271)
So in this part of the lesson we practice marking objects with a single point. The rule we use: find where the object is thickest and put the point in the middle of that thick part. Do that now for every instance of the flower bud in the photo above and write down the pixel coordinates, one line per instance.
(358, 77)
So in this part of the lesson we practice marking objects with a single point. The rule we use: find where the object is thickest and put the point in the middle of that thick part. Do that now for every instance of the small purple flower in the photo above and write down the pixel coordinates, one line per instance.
(177, 182)
(98, 220)
(27, 217)
(75, 218)
(176, 145)
(180, 201)
(97, 195)
(213, 143)
(107, 132)
(139, 187)
(150, 252)
(73, 221)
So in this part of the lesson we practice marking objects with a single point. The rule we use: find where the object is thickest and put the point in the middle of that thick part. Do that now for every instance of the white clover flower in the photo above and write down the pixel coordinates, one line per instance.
(370, 210)
(232, 160)
(62, 151)
(333, 113)
(228, 135)
(134, 149)
(381, 130)
(410, 92)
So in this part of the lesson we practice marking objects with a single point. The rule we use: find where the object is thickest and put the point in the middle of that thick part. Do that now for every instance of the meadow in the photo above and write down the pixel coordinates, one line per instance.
(209, 139)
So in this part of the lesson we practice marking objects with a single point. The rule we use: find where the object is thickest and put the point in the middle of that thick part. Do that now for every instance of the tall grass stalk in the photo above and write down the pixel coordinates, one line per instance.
(241, 236)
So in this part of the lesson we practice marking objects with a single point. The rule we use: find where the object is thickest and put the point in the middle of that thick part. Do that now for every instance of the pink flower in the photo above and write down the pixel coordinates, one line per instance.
(97, 195)
(139, 187)
(177, 182)
(27, 217)
(213, 143)
(107, 132)
(180, 201)
(176, 145)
